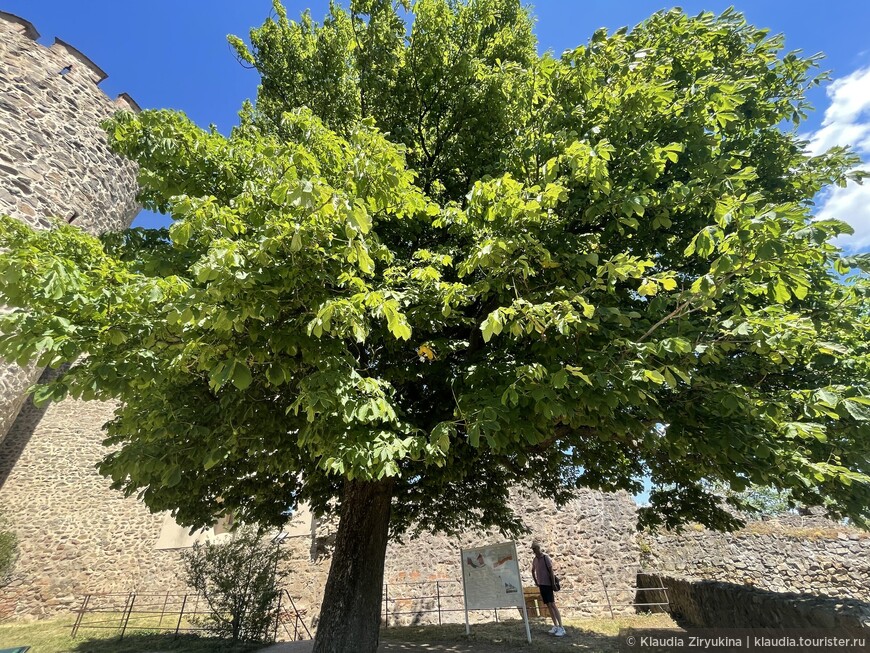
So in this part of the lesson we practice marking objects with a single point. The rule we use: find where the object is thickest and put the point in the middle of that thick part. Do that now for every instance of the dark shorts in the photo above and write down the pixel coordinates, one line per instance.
(547, 593)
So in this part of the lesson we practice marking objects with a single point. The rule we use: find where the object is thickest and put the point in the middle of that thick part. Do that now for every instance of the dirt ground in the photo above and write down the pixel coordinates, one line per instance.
(592, 636)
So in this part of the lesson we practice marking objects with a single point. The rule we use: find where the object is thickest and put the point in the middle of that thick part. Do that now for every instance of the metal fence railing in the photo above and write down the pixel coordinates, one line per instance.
(428, 601)
(441, 600)
(288, 614)
(165, 612)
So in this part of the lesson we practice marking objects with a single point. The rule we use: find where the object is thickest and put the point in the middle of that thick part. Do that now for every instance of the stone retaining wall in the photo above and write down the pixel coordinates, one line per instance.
(711, 604)
(795, 554)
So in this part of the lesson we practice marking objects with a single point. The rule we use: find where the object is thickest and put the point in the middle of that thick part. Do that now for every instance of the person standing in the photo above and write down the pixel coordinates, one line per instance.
(542, 574)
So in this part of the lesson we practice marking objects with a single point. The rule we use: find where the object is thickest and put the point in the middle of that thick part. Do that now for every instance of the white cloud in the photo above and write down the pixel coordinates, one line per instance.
(847, 119)
(847, 122)
(851, 205)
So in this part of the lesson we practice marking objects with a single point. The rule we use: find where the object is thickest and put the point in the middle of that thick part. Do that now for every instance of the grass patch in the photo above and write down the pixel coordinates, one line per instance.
(53, 636)
(592, 635)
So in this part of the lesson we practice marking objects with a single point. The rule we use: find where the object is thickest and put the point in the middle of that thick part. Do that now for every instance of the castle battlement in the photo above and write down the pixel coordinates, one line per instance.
(82, 67)
(24, 27)
(64, 49)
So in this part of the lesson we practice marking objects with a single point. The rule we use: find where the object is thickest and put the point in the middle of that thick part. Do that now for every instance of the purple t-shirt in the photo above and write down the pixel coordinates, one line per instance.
(541, 570)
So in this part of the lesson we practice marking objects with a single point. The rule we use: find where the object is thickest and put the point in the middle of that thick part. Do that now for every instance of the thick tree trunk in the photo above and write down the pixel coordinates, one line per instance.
(351, 609)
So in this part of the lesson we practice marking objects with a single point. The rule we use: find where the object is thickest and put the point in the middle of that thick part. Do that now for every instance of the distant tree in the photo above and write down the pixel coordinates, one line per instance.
(239, 578)
(756, 501)
(430, 265)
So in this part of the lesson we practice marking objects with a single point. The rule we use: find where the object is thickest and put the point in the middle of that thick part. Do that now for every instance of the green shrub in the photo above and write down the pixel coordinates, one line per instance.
(238, 578)
(8, 552)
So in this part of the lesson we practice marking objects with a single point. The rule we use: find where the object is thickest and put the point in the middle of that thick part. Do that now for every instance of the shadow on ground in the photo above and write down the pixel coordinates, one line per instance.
(487, 638)
(148, 643)
(593, 636)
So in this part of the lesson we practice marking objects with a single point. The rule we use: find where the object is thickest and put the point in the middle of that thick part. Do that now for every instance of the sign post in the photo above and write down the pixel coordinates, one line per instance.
(491, 580)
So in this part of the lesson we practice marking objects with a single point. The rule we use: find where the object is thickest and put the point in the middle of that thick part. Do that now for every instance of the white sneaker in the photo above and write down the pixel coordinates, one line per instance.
(553, 630)
(560, 632)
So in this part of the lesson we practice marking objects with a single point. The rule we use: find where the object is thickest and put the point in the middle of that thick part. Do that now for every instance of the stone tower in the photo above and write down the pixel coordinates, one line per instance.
(55, 162)
(54, 158)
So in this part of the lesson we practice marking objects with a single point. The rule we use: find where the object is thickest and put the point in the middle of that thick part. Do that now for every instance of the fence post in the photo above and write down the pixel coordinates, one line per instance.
(129, 611)
(180, 615)
(299, 619)
(438, 595)
(606, 596)
(124, 611)
(75, 628)
(163, 610)
(386, 605)
(277, 618)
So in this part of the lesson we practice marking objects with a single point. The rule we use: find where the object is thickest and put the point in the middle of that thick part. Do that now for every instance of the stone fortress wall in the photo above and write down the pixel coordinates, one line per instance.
(716, 604)
(76, 535)
(54, 158)
(591, 541)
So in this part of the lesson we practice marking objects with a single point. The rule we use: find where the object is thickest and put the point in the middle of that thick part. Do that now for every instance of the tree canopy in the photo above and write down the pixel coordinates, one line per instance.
(429, 254)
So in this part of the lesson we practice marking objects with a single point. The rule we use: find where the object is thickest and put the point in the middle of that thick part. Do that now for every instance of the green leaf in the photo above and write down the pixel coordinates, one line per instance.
(296, 242)
(241, 375)
(275, 374)
(778, 291)
(576, 371)
(648, 288)
(858, 410)
(180, 233)
(214, 457)
(361, 218)
(172, 477)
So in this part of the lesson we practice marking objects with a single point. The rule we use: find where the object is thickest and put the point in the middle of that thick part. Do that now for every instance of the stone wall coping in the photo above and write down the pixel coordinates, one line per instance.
(802, 535)
(789, 526)
(98, 72)
(126, 102)
(25, 26)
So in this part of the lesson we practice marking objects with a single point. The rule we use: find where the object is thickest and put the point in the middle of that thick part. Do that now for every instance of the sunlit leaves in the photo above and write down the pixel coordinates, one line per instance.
(430, 254)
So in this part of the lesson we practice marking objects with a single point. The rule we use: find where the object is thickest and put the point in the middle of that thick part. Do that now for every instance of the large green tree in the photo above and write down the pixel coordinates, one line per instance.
(430, 265)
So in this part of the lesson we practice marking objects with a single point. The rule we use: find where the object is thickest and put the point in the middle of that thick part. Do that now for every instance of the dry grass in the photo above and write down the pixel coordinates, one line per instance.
(801, 532)
(593, 635)
(786, 529)
(53, 636)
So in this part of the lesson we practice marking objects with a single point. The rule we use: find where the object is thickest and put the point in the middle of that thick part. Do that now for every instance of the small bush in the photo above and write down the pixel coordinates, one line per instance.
(239, 579)
(8, 552)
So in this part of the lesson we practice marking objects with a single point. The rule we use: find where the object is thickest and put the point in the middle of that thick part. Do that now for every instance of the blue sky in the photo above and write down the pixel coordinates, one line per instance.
(174, 54)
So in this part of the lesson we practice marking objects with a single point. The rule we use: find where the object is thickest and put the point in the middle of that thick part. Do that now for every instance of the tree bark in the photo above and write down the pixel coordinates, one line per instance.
(351, 609)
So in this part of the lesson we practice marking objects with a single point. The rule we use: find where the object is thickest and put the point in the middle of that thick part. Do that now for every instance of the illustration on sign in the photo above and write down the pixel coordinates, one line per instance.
(491, 576)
